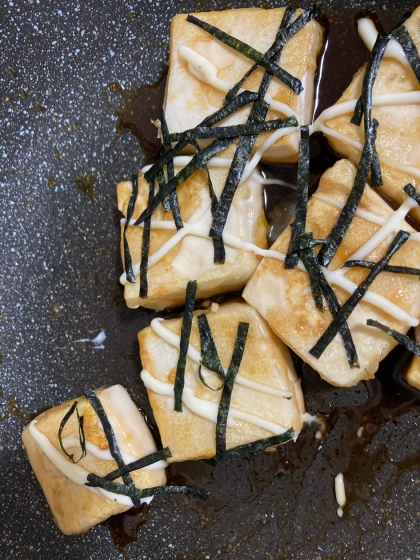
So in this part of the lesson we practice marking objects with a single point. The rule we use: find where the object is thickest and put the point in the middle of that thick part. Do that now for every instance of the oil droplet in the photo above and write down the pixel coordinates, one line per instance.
(86, 183)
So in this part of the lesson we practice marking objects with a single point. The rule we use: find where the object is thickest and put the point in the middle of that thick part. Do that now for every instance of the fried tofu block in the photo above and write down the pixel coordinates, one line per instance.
(398, 133)
(266, 398)
(195, 54)
(192, 257)
(76, 507)
(284, 299)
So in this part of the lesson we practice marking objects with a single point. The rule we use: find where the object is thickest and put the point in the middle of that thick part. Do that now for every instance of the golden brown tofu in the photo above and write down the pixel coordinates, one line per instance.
(398, 133)
(284, 299)
(202, 70)
(176, 258)
(75, 507)
(266, 399)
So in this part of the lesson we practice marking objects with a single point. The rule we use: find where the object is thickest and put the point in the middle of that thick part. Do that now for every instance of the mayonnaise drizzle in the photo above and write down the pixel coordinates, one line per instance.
(208, 409)
(174, 340)
(368, 33)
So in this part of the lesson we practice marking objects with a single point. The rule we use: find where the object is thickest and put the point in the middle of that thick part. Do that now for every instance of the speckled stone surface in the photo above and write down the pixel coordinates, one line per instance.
(59, 283)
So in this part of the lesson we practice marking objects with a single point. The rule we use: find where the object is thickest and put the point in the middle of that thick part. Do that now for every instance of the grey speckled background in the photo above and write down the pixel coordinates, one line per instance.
(59, 283)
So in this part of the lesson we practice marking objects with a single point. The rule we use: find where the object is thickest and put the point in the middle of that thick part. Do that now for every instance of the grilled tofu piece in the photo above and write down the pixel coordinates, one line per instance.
(266, 399)
(398, 133)
(192, 257)
(284, 299)
(201, 69)
(76, 507)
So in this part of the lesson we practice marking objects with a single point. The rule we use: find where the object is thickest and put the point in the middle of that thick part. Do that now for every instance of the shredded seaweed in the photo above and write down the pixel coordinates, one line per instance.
(348, 212)
(198, 161)
(364, 103)
(294, 83)
(82, 438)
(412, 192)
(95, 481)
(128, 263)
(405, 341)
(203, 381)
(93, 399)
(250, 448)
(173, 197)
(388, 268)
(311, 264)
(145, 248)
(302, 191)
(224, 404)
(344, 313)
(209, 356)
(184, 342)
(402, 35)
(140, 463)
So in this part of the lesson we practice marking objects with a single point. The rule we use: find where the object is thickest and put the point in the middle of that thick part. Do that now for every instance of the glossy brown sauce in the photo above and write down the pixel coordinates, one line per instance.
(371, 406)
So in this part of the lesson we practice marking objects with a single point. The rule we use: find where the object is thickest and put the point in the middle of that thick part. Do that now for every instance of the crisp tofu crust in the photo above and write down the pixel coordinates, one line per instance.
(192, 257)
(74, 507)
(189, 100)
(398, 133)
(283, 296)
(266, 360)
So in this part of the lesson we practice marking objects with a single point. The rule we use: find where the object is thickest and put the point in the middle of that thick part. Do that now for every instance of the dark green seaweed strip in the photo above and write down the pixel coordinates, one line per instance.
(82, 439)
(364, 104)
(334, 307)
(302, 191)
(209, 356)
(311, 264)
(173, 197)
(356, 296)
(140, 463)
(95, 481)
(184, 342)
(285, 32)
(96, 404)
(411, 191)
(402, 35)
(224, 404)
(160, 177)
(248, 129)
(198, 161)
(294, 83)
(276, 46)
(405, 341)
(243, 99)
(145, 248)
(388, 268)
(250, 448)
(203, 381)
(128, 263)
(348, 212)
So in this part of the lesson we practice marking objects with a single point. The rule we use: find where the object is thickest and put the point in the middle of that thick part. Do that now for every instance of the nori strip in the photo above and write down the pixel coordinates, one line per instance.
(388, 268)
(250, 448)
(184, 342)
(247, 129)
(312, 267)
(82, 438)
(145, 247)
(344, 313)
(299, 220)
(140, 463)
(209, 356)
(364, 103)
(128, 263)
(203, 381)
(411, 191)
(348, 212)
(224, 404)
(294, 83)
(405, 341)
(402, 35)
(160, 177)
(95, 481)
(173, 197)
(285, 32)
(196, 163)
(243, 99)
(94, 400)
